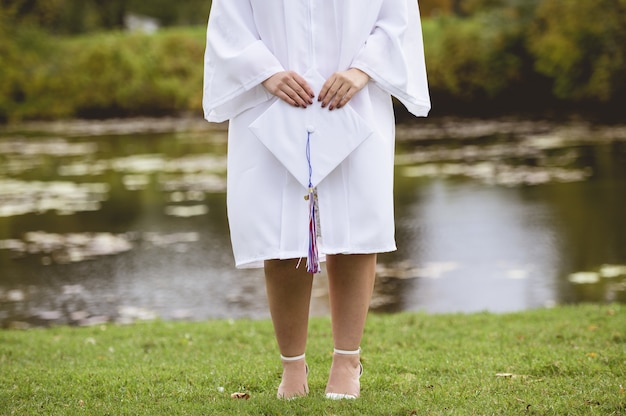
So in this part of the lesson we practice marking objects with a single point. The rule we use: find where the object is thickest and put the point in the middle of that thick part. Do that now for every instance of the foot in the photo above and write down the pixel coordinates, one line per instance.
(294, 381)
(343, 382)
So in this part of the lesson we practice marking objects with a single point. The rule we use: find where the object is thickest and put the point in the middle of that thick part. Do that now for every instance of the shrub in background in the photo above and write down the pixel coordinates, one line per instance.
(470, 58)
(581, 45)
(83, 16)
(493, 55)
(105, 75)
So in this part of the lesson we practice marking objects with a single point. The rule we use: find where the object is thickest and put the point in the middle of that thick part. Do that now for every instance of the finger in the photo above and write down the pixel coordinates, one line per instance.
(297, 93)
(334, 103)
(338, 97)
(289, 87)
(288, 95)
(331, 94)
(286, 98)
(310, 94)
(325, 90)
(346, 98)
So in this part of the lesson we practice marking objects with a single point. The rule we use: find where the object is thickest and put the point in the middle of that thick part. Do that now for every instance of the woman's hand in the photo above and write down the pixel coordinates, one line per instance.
(290, 87)
(341, 87)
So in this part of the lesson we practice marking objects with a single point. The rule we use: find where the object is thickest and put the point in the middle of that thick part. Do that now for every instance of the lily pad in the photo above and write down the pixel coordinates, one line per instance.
(612, 270)
(584, 277)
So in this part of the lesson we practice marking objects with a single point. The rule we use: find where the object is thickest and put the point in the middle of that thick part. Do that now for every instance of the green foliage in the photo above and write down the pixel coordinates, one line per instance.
(491, 55)
(169, 13)
(108, 74)
(503, 50)
(24, 63)
(567, 360)
(582, 46)
(81, 16)
(67, 16)
(471, 58)
(472, 7)
(8, 69)
(435, 7)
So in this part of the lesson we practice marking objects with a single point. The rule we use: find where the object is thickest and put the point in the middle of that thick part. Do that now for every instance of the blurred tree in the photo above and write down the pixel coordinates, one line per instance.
(472, 59)
(169, 13)
(470, 7)
(435, 7)
(31, 11)
(480, 54)
(582, 46)
(80, 16)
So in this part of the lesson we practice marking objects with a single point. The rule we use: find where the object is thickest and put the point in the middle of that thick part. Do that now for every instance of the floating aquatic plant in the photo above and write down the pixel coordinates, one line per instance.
(606, 271)
(584, 277)
(78, 247)
(18, 197)
(186, 211)
(498, 173)
(612, 270)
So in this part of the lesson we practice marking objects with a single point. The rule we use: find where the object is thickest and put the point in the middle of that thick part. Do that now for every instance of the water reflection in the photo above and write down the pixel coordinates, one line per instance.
(132, 226)
(489, 247)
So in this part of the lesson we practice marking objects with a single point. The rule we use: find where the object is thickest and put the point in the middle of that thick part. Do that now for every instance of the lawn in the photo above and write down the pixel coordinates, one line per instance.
(565, 360)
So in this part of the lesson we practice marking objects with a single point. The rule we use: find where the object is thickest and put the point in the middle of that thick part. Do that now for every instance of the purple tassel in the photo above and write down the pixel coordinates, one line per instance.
(312, 259)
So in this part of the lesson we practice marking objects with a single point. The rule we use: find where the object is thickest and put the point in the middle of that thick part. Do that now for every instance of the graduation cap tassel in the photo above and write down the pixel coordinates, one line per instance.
(312, 260)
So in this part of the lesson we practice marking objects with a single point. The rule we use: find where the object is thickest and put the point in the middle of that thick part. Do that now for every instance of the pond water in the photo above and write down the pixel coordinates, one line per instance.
(116, 225)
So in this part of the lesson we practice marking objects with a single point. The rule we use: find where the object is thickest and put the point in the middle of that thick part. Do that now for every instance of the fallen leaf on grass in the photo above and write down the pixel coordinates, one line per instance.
(237, 395)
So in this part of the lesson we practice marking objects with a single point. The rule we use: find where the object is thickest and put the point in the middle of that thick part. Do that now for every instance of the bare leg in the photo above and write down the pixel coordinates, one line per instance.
(350, 283)
(289, 295)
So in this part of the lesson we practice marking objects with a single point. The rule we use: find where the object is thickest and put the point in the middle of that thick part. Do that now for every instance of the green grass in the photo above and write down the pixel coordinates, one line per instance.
(568, 360)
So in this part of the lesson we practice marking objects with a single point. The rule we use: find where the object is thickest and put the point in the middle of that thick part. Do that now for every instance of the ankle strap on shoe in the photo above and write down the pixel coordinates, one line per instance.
(346, 352)
(296, 358)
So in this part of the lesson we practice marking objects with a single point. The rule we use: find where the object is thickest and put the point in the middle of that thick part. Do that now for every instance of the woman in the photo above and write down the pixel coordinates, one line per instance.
(260, 52)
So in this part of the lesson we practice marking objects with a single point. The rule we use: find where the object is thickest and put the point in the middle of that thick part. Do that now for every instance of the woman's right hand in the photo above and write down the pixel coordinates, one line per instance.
(290, 87)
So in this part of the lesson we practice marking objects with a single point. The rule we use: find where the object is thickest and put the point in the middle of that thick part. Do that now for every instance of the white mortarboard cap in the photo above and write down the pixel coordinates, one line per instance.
(332, 135)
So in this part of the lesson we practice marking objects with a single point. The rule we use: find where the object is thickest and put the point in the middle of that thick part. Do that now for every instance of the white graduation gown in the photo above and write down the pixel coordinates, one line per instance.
(250, 40)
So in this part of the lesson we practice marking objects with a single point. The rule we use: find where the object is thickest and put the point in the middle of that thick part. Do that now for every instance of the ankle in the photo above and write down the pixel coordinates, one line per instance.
(347, 352)
(294, 358)
(351, 358)
(296, 363)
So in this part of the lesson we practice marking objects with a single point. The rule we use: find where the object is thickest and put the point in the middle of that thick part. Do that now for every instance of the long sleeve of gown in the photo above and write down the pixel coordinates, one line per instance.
(393, 55)
(236, 61)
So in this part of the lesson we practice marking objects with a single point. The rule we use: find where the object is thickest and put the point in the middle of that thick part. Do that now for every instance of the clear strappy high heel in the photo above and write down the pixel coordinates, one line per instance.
(343, 381)
(294, 380)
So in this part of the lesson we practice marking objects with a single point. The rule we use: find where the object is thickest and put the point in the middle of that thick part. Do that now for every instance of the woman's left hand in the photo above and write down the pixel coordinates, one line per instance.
(341, 87)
